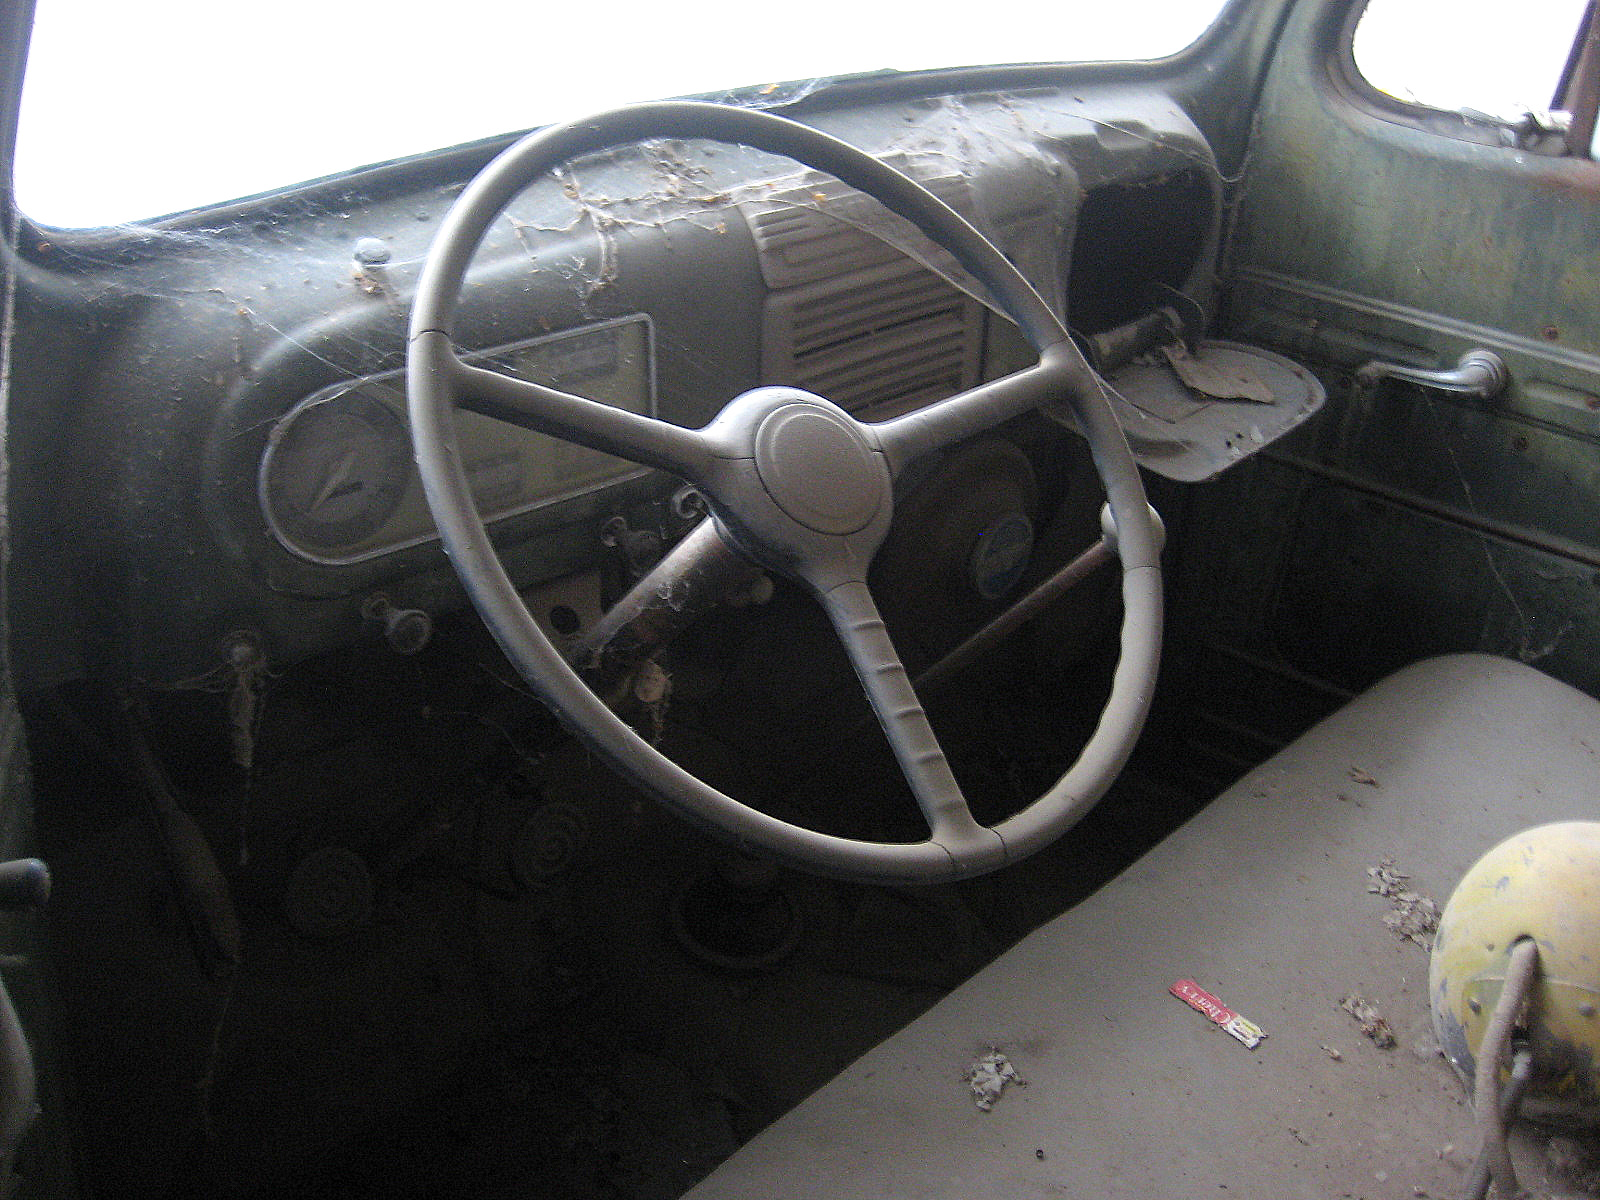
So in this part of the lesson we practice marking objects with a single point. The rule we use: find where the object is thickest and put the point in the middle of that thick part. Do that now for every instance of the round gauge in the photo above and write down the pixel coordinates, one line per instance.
(334, 472)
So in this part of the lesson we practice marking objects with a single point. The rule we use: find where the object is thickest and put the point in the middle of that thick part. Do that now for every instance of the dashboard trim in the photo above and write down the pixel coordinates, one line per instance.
(333, 391)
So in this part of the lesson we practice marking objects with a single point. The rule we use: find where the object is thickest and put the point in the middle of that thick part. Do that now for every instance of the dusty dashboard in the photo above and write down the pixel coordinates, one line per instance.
(248, 468)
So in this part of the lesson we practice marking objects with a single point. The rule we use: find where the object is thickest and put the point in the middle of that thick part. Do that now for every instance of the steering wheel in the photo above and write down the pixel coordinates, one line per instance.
(795, 483)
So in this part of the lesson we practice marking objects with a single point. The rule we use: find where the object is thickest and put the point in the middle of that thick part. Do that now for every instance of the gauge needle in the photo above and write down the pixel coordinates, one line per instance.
(335, 480)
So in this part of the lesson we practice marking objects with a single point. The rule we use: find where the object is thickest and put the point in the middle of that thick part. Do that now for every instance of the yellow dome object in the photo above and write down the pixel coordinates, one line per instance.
(1542, 883)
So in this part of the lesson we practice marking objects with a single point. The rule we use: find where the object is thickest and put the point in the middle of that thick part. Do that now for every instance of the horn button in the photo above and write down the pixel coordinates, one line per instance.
(818, 468)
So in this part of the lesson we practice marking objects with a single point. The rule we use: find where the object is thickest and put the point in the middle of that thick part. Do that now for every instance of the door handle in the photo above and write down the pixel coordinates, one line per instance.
(1480, 373)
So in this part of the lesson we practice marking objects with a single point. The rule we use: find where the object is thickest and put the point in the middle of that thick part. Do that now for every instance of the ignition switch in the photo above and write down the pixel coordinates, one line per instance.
(407, 630)
(688, 504)
(640, 548)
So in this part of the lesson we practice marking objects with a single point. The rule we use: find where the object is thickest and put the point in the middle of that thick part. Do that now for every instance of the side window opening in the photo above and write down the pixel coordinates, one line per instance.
(1578, 91)
(1531, 75)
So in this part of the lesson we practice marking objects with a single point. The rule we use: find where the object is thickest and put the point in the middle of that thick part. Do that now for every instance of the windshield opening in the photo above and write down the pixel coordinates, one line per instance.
(128, 114)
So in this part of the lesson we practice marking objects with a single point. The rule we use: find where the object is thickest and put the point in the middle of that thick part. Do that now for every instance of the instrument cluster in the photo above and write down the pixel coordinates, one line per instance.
(336, 482)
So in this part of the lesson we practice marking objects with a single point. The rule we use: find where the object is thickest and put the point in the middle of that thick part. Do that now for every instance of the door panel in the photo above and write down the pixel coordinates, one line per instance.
(1402, 522)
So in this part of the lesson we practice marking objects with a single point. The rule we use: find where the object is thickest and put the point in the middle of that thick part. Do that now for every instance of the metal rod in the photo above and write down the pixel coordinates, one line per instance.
(1116, 348)
(1023, 610)
(698, 574)
(1491, 1119)
(1510, 1101)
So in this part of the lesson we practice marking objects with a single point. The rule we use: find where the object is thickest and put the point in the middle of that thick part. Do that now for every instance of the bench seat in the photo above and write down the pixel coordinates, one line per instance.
(1262, 899)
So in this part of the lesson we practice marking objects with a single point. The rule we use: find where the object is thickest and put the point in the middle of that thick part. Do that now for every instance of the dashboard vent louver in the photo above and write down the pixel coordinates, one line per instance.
(851, 317)
(880, 342)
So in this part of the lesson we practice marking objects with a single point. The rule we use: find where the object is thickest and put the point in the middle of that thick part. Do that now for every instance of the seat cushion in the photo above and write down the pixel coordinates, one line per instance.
(1262, 899)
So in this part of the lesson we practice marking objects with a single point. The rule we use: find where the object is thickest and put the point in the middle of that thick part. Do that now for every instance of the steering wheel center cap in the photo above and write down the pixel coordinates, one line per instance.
(817, 468)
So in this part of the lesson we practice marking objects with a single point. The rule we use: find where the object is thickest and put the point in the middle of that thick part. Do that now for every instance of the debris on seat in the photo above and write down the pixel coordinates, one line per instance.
(1414, 917)
(1202, 1001)
(1362, 777)
(1372, 1023)
(1386, 881)
(988, 1078)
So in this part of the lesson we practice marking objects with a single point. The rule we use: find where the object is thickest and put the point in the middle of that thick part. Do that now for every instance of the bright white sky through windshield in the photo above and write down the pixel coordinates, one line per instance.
(135, 110)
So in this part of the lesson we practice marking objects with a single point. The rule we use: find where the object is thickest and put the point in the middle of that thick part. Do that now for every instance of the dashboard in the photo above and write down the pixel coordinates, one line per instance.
(336, 481)
(236, 460)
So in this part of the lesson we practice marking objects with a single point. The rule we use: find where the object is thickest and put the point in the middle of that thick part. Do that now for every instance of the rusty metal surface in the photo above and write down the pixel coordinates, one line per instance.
(1401, 521)
(1189, 433)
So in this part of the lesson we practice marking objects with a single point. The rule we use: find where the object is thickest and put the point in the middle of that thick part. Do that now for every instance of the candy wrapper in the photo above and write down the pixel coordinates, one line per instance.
(1197, 998)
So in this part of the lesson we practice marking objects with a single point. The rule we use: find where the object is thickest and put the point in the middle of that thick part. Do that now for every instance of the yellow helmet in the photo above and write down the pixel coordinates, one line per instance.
(1542, 883)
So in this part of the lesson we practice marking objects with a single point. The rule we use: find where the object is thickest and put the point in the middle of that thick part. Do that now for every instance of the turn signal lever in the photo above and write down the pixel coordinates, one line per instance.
(1480, 373)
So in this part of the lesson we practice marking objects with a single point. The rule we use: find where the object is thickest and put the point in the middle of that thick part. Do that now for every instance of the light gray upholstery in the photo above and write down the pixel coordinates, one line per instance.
(1262, 898)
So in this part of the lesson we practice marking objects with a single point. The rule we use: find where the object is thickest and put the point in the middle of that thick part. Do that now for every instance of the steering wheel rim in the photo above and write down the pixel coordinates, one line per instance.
(760, 463)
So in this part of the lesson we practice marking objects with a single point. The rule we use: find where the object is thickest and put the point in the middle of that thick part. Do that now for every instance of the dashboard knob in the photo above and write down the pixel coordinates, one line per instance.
(370, 252)
(407, 630)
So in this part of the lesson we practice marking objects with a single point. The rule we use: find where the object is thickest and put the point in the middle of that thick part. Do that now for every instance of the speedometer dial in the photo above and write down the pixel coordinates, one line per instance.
(336, 483)
(335, 471)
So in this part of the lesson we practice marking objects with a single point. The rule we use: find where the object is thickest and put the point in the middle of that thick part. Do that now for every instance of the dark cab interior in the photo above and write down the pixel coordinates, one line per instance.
(623, 664)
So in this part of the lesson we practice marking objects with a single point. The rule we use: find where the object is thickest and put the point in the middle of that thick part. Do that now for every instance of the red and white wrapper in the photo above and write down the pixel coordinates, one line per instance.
(1197, 998)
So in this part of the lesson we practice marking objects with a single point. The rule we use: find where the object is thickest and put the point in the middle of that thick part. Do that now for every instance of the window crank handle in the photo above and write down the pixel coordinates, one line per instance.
(1480, 373)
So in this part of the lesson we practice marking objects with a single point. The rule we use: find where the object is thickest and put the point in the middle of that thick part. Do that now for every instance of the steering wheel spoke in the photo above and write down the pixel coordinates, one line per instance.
(598, 426)
(855, 617)
(1058, 375)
